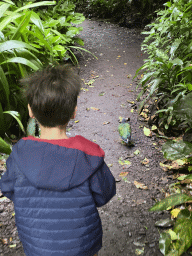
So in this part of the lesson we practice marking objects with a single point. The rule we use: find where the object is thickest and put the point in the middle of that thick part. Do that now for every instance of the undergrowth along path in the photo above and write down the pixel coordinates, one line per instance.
(108, 93)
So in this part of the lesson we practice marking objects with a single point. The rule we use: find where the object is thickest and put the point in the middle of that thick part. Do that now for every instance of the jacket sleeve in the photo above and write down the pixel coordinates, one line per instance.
(7, 180)
(102, 185)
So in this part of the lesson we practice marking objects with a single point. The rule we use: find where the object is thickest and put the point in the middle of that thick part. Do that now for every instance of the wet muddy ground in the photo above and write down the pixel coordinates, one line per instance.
(108, 93)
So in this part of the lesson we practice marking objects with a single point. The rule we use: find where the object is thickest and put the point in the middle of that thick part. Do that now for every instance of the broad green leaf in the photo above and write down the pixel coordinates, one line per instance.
(183, 229)
(15, 44)
(165, 223)
(164, 242)
(22, 26)
(27, 6)
(16, 115)
(4, 85)
(8, 19)
(3, 9)
(177, 150)
(59, 48)
(4, 147)
(177, 61)
(2, 122)
(22, 61)
(41, 38)
(169, 201)
(9, 2)
(183, 108)
(37, 21)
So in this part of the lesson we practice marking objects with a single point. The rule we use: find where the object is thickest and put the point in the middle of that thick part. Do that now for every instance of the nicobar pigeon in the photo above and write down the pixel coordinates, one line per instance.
(125, 132)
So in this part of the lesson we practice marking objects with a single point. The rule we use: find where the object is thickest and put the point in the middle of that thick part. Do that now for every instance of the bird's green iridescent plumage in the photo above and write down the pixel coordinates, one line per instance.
(125, 131)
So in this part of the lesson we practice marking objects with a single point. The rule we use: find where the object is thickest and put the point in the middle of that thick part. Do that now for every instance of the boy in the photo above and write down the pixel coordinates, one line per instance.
(56, 182)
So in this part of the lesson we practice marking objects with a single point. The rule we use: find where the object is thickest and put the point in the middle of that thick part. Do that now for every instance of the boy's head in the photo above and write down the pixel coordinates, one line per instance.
(52, 94)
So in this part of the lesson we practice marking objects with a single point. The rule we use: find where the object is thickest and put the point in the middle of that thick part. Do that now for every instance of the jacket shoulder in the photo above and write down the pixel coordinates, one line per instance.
(88, 147)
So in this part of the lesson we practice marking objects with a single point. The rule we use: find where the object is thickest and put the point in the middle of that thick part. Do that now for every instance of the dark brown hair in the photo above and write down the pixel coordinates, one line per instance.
(52, 94)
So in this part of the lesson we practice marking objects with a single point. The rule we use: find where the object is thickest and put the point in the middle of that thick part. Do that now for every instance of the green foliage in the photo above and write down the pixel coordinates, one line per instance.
(32, 35)
(167, 71)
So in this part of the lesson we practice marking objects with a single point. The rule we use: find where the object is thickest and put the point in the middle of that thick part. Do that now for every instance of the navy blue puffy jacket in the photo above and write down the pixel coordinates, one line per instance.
(56, 187)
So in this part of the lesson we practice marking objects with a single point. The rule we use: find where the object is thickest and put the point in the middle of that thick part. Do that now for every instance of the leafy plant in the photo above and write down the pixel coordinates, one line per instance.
(177, 241)
(167, 71)
(29, 41)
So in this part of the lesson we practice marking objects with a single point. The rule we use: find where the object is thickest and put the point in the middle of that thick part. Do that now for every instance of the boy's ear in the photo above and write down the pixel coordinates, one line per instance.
(74, 114)
(30, 111)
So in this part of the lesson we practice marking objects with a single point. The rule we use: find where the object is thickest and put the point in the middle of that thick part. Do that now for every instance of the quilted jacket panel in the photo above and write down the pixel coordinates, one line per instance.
(56, 187)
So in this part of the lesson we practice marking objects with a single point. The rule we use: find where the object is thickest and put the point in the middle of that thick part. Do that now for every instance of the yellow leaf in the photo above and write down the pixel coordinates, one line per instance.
(12, 245)
(118, 56)
(145, 161)
(154, 127)
(126, 162)
(123, 174)
(95, 108)
(125, 63)
(77, 121)
(144, 115)
(129, 76)
(175, 212)
(172, 234)
(137, 152)
(106, 122)
(110, 165)
(132, 110)
(132, 102)
(147, 132)
(120, 118)
(140, 185)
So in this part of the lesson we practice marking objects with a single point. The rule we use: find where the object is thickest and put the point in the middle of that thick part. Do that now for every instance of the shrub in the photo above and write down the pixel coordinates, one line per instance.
(167, 71)
(29, 41)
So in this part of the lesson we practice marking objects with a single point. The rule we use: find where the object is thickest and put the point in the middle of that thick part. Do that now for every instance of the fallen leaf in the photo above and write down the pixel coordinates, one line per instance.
(90, 82)
(87, 109)
(102, 93)
(84, 89)
(132, 110)
(139, 251)
(129, 76)
(95, 108)
(144, 115)
(126, 162)
(140, 185)
(110, 165)
(94, 140)
(106, 122)
(10, 239)
(118, 56)
(147, 132)
(123, 174)
(4, 241)
(77, 121)
(12, 245)
(175, 212)
(125, 179)
(132, 102)
(137, 152)
(154, 127)
(120, 118)
(145, 161)
(125, 63)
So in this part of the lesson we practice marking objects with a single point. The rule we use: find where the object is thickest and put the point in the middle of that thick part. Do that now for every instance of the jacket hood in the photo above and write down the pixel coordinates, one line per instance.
(57, 164)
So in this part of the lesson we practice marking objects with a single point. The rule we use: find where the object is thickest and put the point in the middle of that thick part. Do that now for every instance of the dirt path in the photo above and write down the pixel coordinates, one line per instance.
(127, 224)
(126, 220)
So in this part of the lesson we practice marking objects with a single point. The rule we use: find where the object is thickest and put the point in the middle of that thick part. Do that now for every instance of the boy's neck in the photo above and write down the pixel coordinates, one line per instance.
(53, 133)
